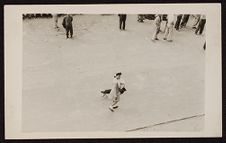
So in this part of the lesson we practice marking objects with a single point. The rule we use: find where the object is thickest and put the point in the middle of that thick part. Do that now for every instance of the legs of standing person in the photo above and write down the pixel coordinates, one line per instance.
(156, 31)
(166, 33)
(204, 46)
(197, 19)
(71, 31)
(124, 24)
(198, 28)
(177, 25)
(120, 23)
(169, 36)
(185, 20)
(67, 32)
(164, 30)
(202, 25)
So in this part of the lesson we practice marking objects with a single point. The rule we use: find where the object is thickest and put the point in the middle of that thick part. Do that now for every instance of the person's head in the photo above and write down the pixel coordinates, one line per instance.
(118, 75)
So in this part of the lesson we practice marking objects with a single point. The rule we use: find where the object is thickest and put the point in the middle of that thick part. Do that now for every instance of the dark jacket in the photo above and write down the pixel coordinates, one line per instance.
(67, 21)
(122, 16)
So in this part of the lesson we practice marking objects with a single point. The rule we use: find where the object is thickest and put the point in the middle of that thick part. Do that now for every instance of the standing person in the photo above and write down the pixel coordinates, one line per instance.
(67, 24)
(122, 21)
(157, 22)
(169, 28)
(201, 25)
(196, 21)
(117, 89)
(55, 18)
(177, 24)
(185, 20)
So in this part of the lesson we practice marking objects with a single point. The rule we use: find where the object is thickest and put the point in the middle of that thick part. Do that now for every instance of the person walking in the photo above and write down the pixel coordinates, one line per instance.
(201, 25)
(117, 89)
(157, 22)
(177, 24)
(122, 21)
(169, 28)
(67, 24)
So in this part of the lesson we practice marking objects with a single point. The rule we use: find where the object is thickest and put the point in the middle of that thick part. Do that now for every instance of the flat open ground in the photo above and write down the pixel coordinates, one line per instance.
(62, 77)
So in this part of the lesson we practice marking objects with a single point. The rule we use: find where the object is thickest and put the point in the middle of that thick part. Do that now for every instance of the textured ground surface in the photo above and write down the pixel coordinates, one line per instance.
(62, 77)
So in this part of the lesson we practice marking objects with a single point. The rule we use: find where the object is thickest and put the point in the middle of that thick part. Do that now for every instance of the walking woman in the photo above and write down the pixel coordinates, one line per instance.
(117, 89)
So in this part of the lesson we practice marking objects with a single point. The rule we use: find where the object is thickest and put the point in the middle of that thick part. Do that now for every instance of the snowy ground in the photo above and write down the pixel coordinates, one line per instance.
(62, 77)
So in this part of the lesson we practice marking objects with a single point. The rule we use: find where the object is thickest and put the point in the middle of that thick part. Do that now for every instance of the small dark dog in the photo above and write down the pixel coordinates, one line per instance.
(108, 91)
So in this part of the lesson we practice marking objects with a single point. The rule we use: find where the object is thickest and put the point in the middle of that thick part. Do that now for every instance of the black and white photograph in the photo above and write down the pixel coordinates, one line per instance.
(113, 72)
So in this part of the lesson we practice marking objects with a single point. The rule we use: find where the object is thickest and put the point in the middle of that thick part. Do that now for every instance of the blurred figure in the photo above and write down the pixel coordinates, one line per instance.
(177, 24)
(140, 18)
(204, 46)
(67, 24)
(197, 19)
(184, 20)
(55, 18)
(122, 21)
(201, 25)
(169, 28)
(157, 22)
(117, 89)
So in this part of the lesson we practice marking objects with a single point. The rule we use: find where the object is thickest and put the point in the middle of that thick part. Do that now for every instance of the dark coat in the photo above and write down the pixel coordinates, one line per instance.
(67, 21)
(122, 17)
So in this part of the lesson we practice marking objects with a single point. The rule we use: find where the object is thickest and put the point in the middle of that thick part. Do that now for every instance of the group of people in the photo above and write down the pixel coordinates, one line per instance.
(176, 21)
(172, 21)
(68, 26)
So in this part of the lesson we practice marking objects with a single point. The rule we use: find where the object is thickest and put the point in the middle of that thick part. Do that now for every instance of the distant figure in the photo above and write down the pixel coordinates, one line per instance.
(117, 89)
(196, 21)
(122, 21)
(140, 18)
(201, 25)
(184, 20)
(157, 22)
(177, 24)
(169, 28)
(204, 46)
(55, 18)
(67, 24)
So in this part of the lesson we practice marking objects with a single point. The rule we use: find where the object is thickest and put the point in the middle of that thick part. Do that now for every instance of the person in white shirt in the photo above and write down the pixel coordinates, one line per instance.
(157, 22)
(169, 28)
(117, 89)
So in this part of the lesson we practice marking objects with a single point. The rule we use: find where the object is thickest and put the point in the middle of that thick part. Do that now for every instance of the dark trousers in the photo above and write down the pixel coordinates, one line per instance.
(122, 24)
(201, 26)
(177, 24)
(69, 29)
(185, 20)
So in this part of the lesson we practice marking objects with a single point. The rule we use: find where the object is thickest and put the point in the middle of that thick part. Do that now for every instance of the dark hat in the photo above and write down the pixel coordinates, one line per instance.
(119, 73)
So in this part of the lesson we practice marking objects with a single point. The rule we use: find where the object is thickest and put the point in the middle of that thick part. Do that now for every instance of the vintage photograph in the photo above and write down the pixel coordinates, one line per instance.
(112, 71)
(118, 72)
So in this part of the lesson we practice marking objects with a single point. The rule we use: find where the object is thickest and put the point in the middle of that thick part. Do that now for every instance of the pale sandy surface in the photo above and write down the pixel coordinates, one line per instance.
(62, 78)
